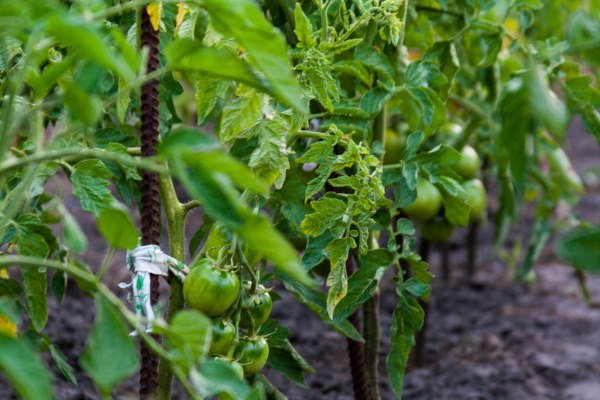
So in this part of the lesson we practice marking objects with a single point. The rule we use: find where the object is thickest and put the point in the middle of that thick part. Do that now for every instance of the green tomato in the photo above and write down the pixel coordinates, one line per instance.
(216, 240)
(256, 308)
(450, 132)
(469, 163)
(237, 368)
(252, 353)
(476, 197)
(436, 230)
(395, 143)
(561, 167)
(223, 334)
(428, 202)
(210, 289)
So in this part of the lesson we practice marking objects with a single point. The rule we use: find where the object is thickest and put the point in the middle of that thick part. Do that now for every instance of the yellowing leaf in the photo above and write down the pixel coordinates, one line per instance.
(154, 10)
(182, 9)
(8, 327)
(4, 274)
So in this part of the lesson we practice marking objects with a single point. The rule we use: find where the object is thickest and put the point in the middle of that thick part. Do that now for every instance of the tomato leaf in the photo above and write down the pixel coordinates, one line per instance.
(90, 185)
(110, 354)
(283, 357)
(337, 280)
(216, 377)
(407, 319)
(266, 47)
(115, 224)
(72, 233)
(579, 248)
(88, 42)
(190, 335)
(23, 368)
(188, 54)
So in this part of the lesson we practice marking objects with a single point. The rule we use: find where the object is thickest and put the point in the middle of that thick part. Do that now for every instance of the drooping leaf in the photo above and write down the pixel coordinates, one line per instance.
(266, 47)
(337, 280)
(34, 287)
(24, 370)
(72, 232)
(110, 354)
(115, 224)
(514, 112)
(283, 357)
(406, 321)
(580, 249)
(188, 54)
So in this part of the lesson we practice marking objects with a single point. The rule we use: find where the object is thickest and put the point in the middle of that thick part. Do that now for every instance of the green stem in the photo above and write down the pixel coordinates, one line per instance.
(474, 108)
(585, 292)
(74, 154)
(176, 213)
(371, 308)
(438, 10)
(404, 19)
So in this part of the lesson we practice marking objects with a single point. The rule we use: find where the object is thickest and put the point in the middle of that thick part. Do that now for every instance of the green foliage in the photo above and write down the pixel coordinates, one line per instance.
(579, 248)
(23, 368)
(115, 224)
(110, 355)
(295, 97)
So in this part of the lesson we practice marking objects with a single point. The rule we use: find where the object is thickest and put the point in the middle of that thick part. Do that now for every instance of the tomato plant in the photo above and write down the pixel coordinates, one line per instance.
(298, 138)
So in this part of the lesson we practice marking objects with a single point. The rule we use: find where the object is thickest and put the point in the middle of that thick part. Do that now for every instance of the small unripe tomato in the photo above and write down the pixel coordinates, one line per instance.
(395, 143)
(210, 289)
(436, 230)
(223, 334)
(449, 132)
(216, 240)
(469, 163)
(256, 308)
(476, 197)
(560, 166)
(428, 202)
(252, 353)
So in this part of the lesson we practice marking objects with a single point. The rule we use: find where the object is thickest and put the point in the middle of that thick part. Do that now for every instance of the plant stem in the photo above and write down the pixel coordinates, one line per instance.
(176, 213)
(445, 253)
(472, 236)
(585, 292)
(371, 308)
(439, 10)
(417, 358)
(73, 154)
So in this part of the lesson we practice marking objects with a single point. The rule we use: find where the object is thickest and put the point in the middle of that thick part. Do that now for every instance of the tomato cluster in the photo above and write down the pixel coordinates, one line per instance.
(426, 209)
(237, 310)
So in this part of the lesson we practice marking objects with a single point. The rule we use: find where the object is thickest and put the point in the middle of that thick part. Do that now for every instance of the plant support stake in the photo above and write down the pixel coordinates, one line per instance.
(150, 212)
(356, 351)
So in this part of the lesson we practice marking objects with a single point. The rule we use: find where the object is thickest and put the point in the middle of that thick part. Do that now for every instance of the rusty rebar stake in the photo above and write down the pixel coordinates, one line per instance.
(150, 207)
(356, 352)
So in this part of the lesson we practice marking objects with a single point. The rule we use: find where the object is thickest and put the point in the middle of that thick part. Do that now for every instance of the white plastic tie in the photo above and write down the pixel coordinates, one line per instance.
(141, 262)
